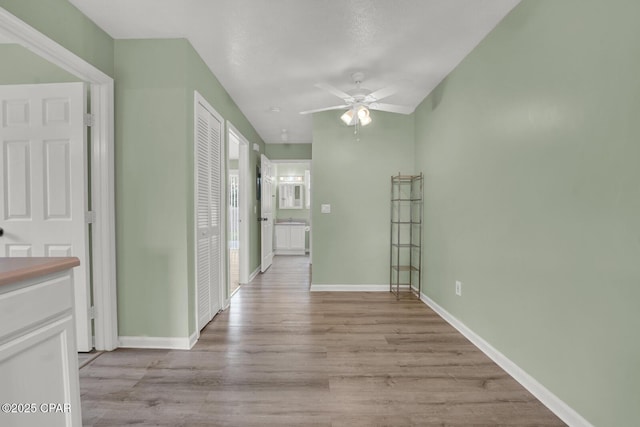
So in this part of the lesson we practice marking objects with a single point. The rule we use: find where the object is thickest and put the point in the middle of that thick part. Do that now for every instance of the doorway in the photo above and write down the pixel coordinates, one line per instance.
(101, 164)
(238, 205)
(292, 213)
(234, 231)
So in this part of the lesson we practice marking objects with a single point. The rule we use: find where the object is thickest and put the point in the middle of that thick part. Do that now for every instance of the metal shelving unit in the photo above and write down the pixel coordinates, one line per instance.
(405, 264)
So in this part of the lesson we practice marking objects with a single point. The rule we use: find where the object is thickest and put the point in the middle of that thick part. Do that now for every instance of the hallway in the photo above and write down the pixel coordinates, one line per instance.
(281, 355)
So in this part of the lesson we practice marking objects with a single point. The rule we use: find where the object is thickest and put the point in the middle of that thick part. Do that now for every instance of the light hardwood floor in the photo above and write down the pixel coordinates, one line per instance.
(234, 270)
(282, 356)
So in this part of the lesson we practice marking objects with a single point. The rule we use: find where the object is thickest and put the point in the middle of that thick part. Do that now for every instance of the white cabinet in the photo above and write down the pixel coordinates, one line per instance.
(283, 238)
(290, 239)
(38, 359)
(297, 237)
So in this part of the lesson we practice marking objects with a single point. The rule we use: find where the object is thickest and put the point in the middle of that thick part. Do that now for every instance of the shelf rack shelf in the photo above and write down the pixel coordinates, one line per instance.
(405, 265)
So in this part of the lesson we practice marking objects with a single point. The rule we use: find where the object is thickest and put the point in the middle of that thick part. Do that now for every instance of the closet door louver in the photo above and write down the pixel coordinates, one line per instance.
(208, 203)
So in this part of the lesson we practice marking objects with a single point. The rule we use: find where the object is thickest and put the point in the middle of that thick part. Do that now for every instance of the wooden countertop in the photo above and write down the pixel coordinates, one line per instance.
(13, 270)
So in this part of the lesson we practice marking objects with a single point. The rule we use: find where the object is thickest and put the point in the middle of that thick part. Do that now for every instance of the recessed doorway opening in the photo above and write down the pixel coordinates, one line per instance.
(237, 209)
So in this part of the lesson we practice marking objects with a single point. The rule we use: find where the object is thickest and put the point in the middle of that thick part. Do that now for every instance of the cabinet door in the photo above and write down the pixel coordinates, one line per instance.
(40, 367)
(283, 237)
(297, 237)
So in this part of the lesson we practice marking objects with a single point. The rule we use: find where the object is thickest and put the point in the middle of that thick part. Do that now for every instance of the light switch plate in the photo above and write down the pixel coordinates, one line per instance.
(325, 208)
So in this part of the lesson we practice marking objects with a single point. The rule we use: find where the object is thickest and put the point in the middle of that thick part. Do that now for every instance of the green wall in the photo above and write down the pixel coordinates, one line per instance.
(152, 184)
(21, 66)
(63, 23)
(351, 244)
(530, 150)
(288, 151)
(155, 87)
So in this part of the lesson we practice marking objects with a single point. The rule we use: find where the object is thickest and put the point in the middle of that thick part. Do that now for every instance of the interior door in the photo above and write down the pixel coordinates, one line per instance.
(208, 210)
(43, 183)
(266, 213)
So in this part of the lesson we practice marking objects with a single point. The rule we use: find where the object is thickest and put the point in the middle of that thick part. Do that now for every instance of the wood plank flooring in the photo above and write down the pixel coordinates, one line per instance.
(282, 356)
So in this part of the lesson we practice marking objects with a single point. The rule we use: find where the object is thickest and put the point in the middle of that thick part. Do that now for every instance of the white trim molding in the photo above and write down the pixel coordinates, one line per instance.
(349, 288)
(244, 172)
(193, 339)
(253, 275)
(102, 167)
(166, 343)
(544, 395)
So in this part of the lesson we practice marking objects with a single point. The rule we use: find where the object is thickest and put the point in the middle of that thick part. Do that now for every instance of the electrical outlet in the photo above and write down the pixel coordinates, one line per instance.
(458, 288)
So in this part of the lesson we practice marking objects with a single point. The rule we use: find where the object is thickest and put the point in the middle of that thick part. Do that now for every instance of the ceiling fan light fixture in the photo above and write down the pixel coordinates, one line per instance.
(363, 115)
(365, 121)
(356, 115)
(348, 117)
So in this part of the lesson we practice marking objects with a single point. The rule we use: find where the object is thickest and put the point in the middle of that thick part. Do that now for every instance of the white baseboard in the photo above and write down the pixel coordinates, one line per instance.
(254, 274)
(171, 343)
(193, 339)
(544, 395)
(349, 288)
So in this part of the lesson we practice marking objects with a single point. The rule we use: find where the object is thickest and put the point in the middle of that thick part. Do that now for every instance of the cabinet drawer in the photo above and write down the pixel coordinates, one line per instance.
(23, 306)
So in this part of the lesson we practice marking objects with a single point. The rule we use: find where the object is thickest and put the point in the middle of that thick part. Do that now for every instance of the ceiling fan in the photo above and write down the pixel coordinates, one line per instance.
(360, 100)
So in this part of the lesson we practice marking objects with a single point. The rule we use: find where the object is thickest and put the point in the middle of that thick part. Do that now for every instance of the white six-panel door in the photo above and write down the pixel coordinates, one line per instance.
(266, 203)
(43, 184)
(208, 210)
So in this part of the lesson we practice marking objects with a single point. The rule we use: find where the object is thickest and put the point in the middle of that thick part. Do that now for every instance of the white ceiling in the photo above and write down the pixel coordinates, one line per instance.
(5, 39)
(271, 53)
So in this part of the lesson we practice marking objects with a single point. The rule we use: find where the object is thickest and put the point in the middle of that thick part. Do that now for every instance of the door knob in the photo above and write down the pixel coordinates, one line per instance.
(1, 231)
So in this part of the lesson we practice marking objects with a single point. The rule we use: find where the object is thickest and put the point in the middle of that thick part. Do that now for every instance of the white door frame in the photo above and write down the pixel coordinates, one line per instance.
(245, 201)
(102, 166)
(308, 163)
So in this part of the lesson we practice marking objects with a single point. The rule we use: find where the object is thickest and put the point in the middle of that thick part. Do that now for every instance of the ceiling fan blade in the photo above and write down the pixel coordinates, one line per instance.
(334, 90)
(317, 110)
(384, 92)
(391, 108)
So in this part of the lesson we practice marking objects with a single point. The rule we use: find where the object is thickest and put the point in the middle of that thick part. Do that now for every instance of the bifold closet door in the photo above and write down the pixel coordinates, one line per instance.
(208, 201)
